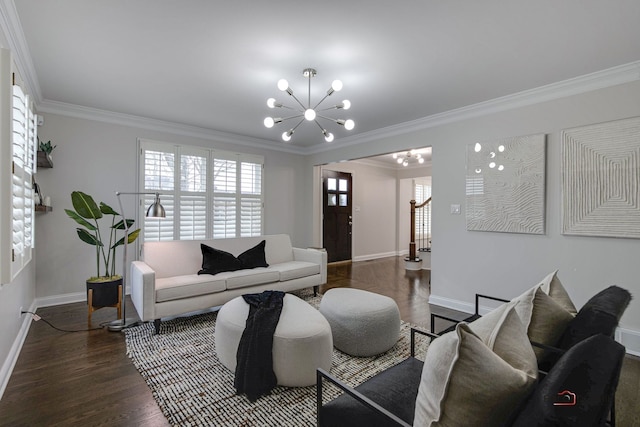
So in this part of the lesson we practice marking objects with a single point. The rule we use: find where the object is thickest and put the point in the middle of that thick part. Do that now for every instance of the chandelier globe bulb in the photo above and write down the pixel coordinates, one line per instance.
(328, 136)
(310, 114)
(269, 122)
(283, 84)
(271, 102)
(349, 124)
(336, 85)
(346, 104)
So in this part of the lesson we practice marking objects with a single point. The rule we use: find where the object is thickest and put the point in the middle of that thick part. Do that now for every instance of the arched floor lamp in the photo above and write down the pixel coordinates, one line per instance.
(155, 210)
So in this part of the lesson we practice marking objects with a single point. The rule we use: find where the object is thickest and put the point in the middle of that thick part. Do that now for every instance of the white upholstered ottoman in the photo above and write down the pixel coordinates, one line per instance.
(302, 340)
(362, 323)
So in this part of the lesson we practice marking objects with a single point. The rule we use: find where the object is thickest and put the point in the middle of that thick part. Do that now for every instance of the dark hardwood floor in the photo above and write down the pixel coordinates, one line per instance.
(85, 378)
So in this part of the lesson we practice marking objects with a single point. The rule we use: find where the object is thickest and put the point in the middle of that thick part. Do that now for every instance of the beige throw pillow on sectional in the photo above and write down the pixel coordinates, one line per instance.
(466, 382)
(544, 316)
(552, 286)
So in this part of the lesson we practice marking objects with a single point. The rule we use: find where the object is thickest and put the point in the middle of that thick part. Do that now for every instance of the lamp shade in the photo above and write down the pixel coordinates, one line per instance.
(156, 210)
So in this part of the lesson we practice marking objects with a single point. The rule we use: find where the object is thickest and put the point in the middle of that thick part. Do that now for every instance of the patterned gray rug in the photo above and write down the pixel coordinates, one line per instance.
(193, 388)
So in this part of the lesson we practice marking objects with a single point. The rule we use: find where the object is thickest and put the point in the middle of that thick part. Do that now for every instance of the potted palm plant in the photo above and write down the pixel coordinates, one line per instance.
(86, 213)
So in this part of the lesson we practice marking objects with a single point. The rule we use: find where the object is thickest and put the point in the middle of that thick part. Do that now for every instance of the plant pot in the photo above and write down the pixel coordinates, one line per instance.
(104, 294)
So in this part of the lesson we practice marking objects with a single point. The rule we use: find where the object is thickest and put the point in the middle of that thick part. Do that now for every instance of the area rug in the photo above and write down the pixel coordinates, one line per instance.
(192, 387)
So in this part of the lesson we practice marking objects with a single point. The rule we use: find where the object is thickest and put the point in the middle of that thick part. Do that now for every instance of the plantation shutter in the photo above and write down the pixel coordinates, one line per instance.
(23, 140)
(250, 199)
(159, 176)
(193, 194)
(224, 198)
(218, 194)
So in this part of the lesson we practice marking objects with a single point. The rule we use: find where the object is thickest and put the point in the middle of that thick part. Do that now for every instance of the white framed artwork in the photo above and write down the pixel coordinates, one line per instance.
(505, 185)
(601, 179)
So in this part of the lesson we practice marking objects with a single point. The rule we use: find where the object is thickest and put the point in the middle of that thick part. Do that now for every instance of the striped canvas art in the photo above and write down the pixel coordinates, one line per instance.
(601, 179)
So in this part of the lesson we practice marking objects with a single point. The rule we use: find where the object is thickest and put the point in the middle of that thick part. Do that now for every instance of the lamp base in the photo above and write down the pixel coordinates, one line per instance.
(121, 324)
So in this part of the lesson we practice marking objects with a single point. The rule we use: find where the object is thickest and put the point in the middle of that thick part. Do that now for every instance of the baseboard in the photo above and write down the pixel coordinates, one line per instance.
(385, 255)
(12, 357)
(61, 299)
(374, 256)
(629, 338)
(453, 304)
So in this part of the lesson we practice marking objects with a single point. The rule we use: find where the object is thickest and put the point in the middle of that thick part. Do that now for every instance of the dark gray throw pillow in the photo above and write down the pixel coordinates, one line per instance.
(599, 315)
(579, 389)
(254, 257)
(215, 261)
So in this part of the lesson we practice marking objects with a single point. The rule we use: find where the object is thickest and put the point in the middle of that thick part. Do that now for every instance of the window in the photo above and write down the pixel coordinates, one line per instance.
(206, 193)
(423, 215)
(18, 214)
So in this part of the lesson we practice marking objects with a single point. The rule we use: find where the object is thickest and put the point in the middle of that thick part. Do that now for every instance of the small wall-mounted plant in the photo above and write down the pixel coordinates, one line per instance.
(46, 146)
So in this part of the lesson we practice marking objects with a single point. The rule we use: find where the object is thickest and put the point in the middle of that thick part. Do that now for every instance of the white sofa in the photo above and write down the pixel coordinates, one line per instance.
(165, 282)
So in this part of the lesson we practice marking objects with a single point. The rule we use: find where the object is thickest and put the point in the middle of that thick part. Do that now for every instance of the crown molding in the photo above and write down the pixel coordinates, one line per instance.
(589, 82)
(17, 43)
(601, 79)
(87, 113)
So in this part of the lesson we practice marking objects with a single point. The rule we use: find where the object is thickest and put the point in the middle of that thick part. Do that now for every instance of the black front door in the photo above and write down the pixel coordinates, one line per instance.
(337, 219)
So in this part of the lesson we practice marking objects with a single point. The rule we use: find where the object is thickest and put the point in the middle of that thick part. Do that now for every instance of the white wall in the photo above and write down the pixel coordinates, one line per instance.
(506, 264)
(14, 296)
(99, 159)
(19, 293)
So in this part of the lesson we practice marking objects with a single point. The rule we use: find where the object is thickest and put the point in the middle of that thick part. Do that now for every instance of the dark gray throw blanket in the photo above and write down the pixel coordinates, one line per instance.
(254, 369)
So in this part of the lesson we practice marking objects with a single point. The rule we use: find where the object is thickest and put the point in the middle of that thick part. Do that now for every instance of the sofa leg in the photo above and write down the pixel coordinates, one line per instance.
(316, 289)
(156, 325)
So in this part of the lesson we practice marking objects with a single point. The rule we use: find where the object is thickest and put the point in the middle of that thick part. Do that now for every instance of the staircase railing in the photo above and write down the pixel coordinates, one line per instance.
(412, 243)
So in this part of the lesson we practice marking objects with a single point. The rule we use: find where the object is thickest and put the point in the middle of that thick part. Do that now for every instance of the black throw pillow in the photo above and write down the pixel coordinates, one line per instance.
(579, 389)
(599, 315)
(215, 261)
(254, 257)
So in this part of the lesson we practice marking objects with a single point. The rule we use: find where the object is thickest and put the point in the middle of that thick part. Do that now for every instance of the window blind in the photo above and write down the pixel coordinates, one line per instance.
(423, 218)
(219, 194)
(159, 176)
(23, 149)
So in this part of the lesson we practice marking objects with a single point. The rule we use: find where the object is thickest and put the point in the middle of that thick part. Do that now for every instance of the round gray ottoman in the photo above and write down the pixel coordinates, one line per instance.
(302, 340)
(362, 323)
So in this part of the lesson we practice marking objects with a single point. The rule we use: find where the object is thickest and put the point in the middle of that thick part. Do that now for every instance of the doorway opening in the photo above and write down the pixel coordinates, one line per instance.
(377, 221)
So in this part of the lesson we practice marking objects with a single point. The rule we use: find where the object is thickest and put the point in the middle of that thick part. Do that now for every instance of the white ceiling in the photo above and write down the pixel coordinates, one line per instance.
(213, 64)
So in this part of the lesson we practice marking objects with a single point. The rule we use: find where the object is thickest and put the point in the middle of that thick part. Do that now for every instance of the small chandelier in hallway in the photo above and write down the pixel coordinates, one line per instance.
(410, 156)
(307, 112)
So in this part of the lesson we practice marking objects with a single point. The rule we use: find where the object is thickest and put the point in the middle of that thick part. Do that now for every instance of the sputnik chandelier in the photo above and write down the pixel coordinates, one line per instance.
(307, 112)
(411, 155)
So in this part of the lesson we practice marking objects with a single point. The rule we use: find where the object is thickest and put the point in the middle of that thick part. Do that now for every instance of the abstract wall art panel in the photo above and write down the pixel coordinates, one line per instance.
(601, 179)
(505, 185)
